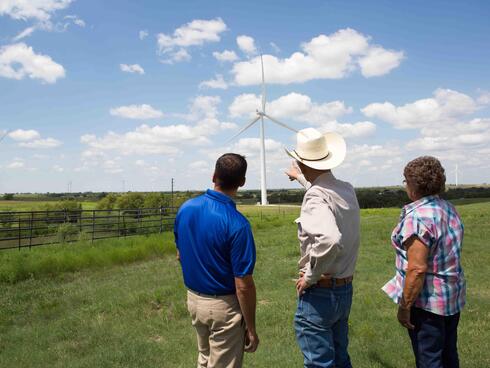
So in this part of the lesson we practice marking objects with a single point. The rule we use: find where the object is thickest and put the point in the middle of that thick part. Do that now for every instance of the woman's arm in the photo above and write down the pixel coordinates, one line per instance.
(417, 253)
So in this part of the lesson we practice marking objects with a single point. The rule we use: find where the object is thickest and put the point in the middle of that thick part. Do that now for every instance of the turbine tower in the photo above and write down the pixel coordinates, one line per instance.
(260, 116)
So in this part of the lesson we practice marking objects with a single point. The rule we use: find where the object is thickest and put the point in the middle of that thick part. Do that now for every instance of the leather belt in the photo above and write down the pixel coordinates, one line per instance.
(333, 283)
(330, 282)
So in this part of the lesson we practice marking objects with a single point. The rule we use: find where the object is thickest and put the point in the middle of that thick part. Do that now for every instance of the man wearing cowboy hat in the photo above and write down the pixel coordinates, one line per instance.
(328, 231)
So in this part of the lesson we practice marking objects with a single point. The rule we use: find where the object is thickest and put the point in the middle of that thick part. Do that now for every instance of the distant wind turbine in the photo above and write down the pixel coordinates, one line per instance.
(456, 174)
(3, 135)
(260, 116)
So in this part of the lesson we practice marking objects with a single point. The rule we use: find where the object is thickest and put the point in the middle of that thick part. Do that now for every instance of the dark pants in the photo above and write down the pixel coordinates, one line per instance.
(434, 339)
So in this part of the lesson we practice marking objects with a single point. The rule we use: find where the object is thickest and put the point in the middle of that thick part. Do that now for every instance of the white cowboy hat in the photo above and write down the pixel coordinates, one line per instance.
(318, 151)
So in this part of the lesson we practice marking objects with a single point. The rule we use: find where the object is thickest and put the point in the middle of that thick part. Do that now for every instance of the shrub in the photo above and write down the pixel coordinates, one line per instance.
(67, 232)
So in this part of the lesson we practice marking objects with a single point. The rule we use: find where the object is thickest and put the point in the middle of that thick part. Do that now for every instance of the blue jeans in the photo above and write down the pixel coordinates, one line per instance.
(434, 339)
(321, 324)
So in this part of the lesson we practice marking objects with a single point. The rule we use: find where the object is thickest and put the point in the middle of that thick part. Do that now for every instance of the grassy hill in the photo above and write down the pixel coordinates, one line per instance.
(130, 312)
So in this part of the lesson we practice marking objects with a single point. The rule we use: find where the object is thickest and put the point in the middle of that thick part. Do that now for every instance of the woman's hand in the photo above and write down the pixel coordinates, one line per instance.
(404, 317)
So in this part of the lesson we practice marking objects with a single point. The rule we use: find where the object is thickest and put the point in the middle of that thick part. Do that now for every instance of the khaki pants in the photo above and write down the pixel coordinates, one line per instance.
(220, 330)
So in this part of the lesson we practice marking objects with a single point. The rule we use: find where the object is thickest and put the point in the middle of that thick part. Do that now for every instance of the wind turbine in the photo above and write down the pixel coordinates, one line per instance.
(260, 116)
(3, 135)
(456, 174)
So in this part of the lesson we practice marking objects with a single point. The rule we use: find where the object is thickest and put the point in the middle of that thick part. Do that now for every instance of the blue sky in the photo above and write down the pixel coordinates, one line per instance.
(97, 93)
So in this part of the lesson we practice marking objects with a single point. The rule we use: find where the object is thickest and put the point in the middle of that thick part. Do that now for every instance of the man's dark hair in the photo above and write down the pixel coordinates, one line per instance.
(230, 171)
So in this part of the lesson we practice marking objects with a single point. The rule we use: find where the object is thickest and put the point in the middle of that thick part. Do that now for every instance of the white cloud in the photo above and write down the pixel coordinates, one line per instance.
(194, 33)
(461, 136)
(177, 56)
(147, 140)
(163, 139)
(143, 34)
(217, 83)
(199, 166)
(58, 168)
(76, 20)
(226, 55)
(132, 68)
(246, 44)
(140, 112)
(446, 106)
(32, 139)
(204, 107)
(25, 33)
(484, 98)
(18, 61)
(32, 9)
(379, 61)
(350, 130)
(299, 107)
(251, 146)
(16, 164)
(42, 143)
(324, 57)
(24, 135)
(228, 126)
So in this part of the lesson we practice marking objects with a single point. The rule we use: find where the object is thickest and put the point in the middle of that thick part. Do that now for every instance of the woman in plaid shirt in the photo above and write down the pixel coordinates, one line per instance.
(429, 284)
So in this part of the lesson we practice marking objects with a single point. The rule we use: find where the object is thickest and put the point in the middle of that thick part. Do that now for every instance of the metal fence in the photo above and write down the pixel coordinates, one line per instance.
(26, 229)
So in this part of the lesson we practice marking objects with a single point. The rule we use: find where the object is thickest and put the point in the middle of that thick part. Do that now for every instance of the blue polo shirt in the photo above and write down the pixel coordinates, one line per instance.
(215, 243)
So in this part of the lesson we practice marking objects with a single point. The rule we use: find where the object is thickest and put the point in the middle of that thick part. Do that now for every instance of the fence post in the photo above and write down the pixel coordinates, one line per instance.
(93, 225)
(30, 230)
(80, 221)
(139, 221)
(118, 223)
(19, 232)
(161, 220)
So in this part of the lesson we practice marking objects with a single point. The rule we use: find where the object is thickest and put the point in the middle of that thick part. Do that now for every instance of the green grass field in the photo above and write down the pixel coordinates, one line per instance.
(110, 310)
(28, 205)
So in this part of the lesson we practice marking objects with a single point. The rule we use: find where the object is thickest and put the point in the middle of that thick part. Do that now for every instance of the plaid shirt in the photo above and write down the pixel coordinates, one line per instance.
(437, 224)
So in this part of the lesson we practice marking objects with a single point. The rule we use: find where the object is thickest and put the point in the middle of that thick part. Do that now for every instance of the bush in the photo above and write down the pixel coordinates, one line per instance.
(108, 202)
(131, 201)
(67, 232)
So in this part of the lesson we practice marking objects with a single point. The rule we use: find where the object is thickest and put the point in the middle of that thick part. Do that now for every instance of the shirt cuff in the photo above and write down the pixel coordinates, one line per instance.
(310, 277)
(302, 180)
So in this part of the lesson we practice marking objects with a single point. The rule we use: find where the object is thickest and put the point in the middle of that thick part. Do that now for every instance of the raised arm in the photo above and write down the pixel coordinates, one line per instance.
(294, 173)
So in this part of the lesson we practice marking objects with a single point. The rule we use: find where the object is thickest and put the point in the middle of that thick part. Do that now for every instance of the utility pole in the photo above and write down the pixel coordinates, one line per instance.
(172, 191)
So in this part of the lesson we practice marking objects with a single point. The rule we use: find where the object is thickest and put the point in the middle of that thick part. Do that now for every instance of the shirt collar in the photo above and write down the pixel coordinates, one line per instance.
(221, 197)
(326, 176)
(420, 202)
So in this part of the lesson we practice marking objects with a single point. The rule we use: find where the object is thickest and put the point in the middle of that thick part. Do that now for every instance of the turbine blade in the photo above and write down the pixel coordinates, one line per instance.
(279, 123)
(3, 135)
(263, 84)
(243, 129)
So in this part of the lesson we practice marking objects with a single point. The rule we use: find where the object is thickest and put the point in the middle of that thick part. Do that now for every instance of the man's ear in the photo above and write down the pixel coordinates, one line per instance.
(242, 183)
(214, 178)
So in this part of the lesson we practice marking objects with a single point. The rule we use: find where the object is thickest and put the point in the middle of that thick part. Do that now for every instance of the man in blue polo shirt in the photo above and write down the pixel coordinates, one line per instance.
(217, 253)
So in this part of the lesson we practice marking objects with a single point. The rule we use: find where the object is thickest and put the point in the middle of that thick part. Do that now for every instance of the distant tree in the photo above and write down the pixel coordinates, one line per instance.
(8, 196)
(108, 202)
(156, 200)
(130, 201)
